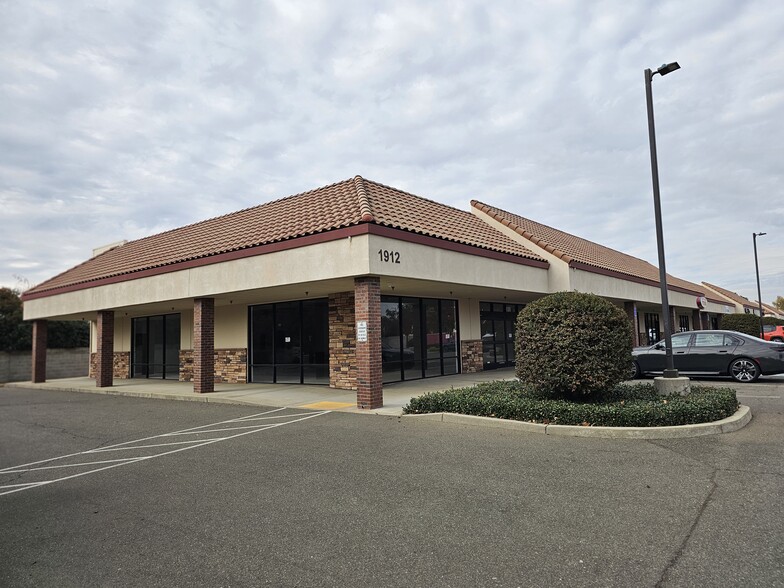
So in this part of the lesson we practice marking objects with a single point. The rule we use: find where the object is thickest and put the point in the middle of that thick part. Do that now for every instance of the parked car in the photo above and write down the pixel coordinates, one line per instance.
(713, 353)
(773, 333)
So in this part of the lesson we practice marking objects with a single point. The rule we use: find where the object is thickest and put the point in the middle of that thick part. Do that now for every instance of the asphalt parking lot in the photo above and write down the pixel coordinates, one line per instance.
(335, 499)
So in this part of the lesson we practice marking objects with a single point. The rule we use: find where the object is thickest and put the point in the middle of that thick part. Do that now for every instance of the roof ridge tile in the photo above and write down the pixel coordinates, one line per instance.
(364, 202)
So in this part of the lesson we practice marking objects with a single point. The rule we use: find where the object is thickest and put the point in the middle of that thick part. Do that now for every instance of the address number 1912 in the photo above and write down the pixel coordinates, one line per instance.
(389, 256)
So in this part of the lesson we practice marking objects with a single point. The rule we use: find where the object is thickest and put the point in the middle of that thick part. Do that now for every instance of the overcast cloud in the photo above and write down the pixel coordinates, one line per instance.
(120, 119)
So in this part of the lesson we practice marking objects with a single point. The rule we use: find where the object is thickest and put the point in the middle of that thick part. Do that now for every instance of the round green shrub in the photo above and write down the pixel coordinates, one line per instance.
(573, 345)
(743, 323)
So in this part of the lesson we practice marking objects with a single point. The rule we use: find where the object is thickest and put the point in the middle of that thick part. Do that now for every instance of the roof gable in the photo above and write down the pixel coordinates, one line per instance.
(732, 296)
(582, 253)
(343, 204)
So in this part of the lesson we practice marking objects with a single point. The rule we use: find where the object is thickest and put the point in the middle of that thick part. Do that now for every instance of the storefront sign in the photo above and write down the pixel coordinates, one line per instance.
(361, 331)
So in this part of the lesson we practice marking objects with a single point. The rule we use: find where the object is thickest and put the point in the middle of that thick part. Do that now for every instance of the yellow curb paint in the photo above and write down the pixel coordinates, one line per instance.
(327, 405)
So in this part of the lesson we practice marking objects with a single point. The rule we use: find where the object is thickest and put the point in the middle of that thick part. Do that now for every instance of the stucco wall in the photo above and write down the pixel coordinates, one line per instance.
(231, 326)
(341, 258)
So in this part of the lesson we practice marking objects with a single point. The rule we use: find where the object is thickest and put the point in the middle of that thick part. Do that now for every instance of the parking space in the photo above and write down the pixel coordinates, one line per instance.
(65, 467)
(243, 496)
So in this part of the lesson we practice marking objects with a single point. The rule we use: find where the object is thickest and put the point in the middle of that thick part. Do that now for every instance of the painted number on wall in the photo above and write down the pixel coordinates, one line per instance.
(389, 256)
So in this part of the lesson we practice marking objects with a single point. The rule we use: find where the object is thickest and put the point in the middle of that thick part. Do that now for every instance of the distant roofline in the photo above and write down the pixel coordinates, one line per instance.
(492, 212)
(733, 297)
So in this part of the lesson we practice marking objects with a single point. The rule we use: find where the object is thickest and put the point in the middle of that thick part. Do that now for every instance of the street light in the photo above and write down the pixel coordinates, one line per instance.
(670, 371)
(759, 295)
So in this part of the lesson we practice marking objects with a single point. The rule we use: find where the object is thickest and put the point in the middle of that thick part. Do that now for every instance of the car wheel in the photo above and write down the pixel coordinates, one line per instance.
(778, 339)
(744, 370)
(635, 370)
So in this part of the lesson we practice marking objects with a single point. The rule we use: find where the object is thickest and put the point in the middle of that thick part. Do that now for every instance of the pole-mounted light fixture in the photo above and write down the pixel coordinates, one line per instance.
(670, 371)
(666, 68)
(759, 294)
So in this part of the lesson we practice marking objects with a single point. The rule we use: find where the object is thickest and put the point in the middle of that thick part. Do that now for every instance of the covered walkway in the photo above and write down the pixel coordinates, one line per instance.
(294, 395)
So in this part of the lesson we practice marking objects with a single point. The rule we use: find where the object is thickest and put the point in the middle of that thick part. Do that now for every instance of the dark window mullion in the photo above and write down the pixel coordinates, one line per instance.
(274, 343)
(440, 336)
(423, 337)
(301, 341)
(400, 337)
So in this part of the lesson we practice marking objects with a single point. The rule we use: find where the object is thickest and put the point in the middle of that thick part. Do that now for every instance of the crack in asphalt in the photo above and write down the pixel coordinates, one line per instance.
(677, 555)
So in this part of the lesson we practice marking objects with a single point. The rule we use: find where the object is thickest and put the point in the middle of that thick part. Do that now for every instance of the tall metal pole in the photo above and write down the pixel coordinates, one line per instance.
(670, 371)
(759, 294)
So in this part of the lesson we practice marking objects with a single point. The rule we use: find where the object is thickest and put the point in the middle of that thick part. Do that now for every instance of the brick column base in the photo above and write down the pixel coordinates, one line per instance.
(367, 311)
(104, 364)
(40, 329)
(696, 320)
(631, 312)
(342, 342)
(203, 345)
(471, 356)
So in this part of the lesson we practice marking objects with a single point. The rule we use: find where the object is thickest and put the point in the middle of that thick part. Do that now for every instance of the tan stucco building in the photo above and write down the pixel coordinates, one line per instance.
(353, 285)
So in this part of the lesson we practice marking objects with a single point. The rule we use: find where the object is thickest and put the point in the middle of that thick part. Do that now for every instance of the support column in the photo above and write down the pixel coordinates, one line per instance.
(104, 363)
(696, 320)
(367, 313)
(203, 345)
(40, 329)
(631, 312)
(676, 327)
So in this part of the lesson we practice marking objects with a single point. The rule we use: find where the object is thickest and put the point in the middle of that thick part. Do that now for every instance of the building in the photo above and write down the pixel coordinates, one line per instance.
(353, 285)
(771, 311)
(734, 301)
(631, 283)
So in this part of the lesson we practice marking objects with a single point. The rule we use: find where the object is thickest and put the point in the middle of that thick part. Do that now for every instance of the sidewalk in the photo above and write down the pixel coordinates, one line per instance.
(396, 395)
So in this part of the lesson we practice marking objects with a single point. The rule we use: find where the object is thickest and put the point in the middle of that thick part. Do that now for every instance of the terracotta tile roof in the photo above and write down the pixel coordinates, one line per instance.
(735, 297)
(577, 251)
(350, 202)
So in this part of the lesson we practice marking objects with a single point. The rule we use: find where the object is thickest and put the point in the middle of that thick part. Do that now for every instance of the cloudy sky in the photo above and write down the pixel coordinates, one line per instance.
(120, 119)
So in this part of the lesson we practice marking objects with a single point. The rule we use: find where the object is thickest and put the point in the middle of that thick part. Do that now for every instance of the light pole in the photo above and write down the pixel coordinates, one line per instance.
(756, 267)
(670, 371)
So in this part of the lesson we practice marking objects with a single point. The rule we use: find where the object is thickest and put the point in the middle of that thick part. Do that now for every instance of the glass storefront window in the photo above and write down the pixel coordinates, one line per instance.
(155, 349)
(419, 338)
(290, 342)
(497, 322)
(390, 339)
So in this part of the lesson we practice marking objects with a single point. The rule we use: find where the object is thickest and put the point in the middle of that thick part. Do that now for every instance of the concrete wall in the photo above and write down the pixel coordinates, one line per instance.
(16, 366)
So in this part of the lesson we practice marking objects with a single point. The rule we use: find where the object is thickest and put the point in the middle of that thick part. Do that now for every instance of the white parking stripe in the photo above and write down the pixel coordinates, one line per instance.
(132, 447)
(11, 488)
(143, 439)
(69, 465)
(214, 430)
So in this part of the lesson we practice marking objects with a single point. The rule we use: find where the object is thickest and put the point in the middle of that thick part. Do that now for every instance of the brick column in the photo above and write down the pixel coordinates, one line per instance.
(104, 363)
(631, 312)
(367, 310)
(674, 321)
(39, 351)
(203, 345)
(696, 320)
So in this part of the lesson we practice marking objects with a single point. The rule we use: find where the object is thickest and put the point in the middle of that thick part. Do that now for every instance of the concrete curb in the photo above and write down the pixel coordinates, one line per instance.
(134, 394)
(733, 423)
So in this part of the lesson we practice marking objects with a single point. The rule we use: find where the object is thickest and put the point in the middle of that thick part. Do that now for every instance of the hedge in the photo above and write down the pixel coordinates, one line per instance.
(626, 405)
(573, 344)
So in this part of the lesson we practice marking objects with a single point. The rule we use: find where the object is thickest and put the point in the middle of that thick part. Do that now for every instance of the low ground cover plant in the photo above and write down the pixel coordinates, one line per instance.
(625, 405)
